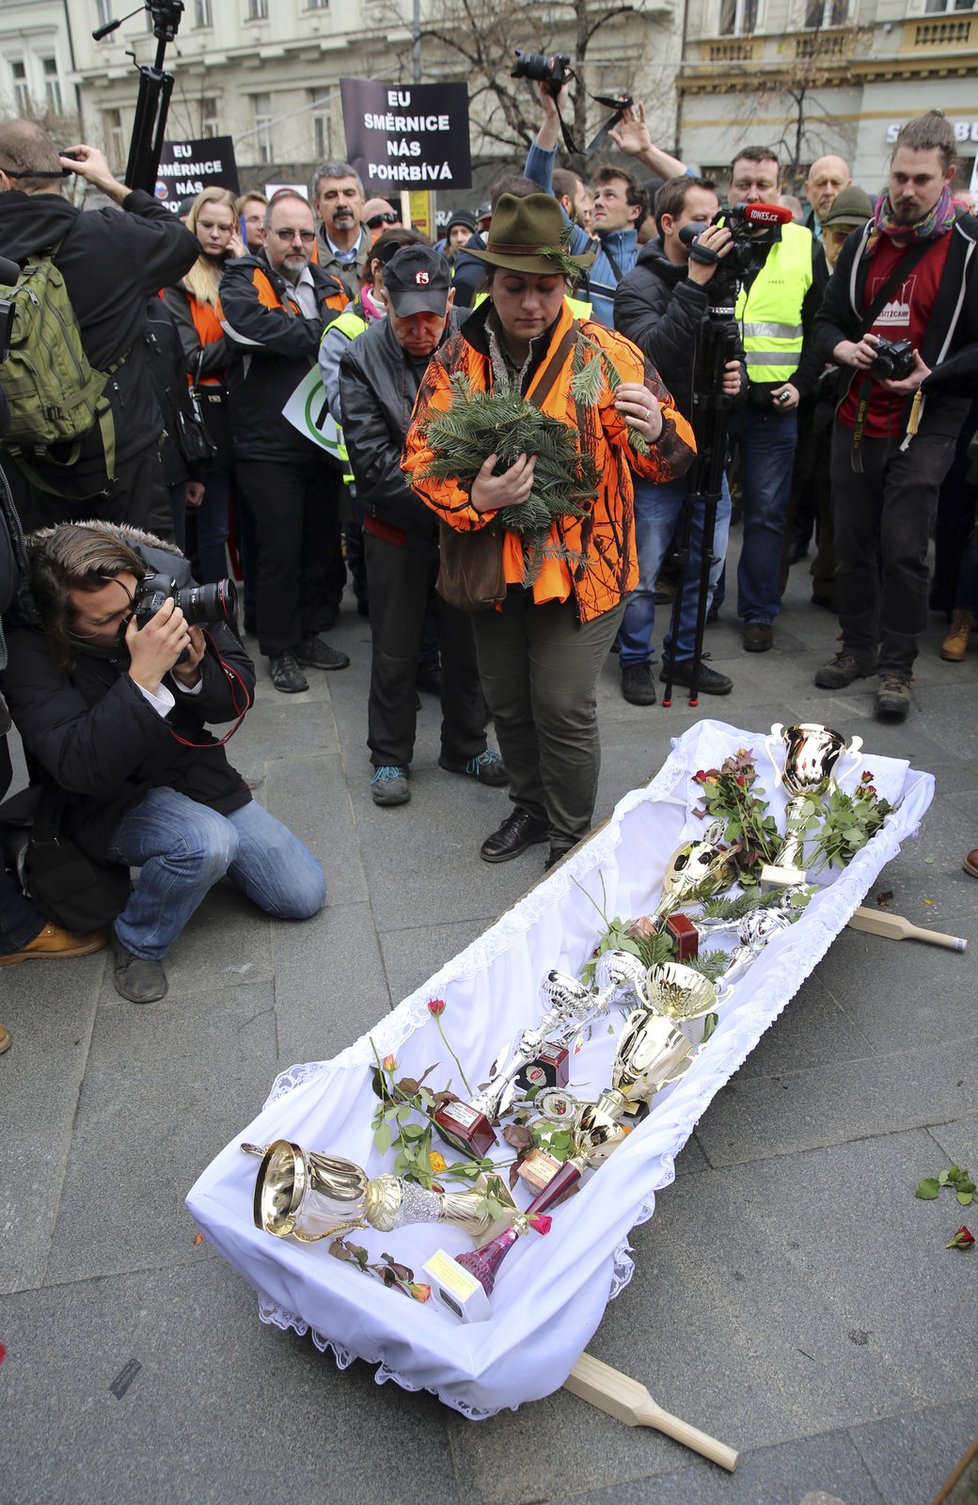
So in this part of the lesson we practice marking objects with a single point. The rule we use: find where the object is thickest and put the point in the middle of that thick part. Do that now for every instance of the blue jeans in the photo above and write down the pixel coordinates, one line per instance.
(767, 441)
(184, 848)
(657, 509)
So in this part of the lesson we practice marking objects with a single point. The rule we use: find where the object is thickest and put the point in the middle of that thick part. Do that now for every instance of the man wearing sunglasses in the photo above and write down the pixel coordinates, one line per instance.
(343, 239)
(275, 307)
(379, 217)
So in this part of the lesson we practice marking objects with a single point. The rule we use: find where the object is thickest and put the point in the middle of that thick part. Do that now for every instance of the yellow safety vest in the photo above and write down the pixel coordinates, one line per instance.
(770, 313)
(352, 325)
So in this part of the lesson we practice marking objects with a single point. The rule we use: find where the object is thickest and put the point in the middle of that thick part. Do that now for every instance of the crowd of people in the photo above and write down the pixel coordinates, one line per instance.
(849, 333)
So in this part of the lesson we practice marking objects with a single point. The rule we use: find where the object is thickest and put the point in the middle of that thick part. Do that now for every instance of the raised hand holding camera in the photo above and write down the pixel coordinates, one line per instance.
(154, 649)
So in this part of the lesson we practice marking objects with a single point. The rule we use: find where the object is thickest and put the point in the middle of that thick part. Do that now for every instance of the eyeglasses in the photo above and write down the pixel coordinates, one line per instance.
(306, 236)
(376, 220)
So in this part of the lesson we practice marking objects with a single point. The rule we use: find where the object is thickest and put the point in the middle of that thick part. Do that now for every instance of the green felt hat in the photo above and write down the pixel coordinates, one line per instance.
(531, 235)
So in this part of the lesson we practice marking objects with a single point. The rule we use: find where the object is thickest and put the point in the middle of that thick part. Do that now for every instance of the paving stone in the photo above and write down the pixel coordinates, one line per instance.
(911, 1455)
(330, 984)
(308, 793)
(412, 956)
(161, 1084)
(221, 1410)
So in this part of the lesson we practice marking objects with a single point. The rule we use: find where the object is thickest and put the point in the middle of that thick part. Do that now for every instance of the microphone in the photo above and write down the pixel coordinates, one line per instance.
(763, 214)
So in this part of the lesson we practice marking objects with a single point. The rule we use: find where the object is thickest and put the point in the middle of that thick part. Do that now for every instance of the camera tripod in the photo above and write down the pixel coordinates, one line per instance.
(711, 407)
(155, 88)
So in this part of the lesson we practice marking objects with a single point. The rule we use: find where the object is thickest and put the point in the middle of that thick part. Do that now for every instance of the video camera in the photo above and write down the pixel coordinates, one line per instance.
(754, 228)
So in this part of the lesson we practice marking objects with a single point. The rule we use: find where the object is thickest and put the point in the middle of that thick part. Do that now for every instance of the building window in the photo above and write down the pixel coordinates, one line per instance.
(947, 7)
(115, 138)
(103, 10)
(202, 13)
(321, 136)
(52, 85)
(209, 124)
(258, 10)
(22, 93)
(738, 18)
(820, 14)
(263, 126)
(317, 4)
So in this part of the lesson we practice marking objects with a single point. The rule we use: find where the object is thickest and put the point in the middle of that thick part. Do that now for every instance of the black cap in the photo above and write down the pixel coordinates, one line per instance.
(417, 281)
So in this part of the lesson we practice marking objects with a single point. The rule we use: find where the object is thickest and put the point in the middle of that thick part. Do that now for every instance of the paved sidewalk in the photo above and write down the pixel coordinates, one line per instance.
(790, 1295)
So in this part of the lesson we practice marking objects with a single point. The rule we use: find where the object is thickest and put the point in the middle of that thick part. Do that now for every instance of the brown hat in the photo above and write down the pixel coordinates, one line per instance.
(530, 235)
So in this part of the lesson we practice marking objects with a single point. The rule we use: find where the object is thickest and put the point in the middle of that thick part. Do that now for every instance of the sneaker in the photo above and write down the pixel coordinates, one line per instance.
(637, 686)
(487, 766)
(517, 832)
(53, 942)
(844, 668)
(389, 785)
(141, 979)
(955, 645)
(316, 654)
(758, 637)
(709, 681)
(286, 674)
(893, 696)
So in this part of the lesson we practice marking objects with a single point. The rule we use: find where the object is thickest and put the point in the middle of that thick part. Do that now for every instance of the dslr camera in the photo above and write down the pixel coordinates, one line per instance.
(199, 603)
(893, 360)
(554, 71)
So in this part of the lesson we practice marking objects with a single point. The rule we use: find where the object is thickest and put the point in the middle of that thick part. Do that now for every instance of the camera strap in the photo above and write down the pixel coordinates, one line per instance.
(231, 675)
(895, 281)
(617, 106)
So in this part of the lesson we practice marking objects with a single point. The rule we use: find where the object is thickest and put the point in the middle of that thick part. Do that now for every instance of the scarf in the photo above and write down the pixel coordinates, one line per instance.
(938, 222)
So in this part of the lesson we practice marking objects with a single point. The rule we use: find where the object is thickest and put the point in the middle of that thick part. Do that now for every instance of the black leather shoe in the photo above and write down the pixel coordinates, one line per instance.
(138, 978)
(517, 832)
(636, 684)
(709, 681)
(554, 856)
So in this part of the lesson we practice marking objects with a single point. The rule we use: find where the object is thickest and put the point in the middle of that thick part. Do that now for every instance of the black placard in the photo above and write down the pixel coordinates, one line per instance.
(407, 135)
(188, 167)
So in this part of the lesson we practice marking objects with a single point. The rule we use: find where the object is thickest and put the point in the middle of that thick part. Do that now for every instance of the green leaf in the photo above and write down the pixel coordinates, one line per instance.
(382, 1138)
(966, 1198)
(928, 1189)
(945, 1177)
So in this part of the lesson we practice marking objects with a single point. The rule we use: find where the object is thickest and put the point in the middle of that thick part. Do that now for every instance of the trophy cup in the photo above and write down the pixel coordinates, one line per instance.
(754, 932)
(696, 871)
(467, 1127)
(311, 1196)
(811, 756)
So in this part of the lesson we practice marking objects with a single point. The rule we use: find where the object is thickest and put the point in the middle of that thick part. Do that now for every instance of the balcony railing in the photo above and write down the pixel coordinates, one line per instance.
(946, 32)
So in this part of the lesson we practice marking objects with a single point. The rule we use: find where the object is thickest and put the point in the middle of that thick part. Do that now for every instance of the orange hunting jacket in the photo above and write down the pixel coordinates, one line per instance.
(605, 536)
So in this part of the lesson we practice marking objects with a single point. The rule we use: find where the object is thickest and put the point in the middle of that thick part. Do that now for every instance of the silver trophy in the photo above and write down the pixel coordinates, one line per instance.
(809, 770)
(696, 871)
(754, 932)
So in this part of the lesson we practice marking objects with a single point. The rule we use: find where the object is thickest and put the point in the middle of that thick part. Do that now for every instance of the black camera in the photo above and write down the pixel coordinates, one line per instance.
(893, 360)
(553, 71)
(199, 603)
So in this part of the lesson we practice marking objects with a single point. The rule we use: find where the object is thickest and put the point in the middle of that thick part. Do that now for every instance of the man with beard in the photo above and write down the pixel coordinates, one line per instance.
(343, 240)
(911, 276)
(276, 306)
(380, 373)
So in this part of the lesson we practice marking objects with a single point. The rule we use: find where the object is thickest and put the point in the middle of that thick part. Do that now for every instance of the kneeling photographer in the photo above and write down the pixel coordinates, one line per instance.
(112, 686)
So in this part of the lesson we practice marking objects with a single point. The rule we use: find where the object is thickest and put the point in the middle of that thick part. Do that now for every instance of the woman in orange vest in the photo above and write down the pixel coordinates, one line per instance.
(543, 647)
(196, 311)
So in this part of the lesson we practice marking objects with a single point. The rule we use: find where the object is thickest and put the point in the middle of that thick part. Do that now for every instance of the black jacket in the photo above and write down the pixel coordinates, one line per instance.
(842, 316)
(663, 313)
(110, 263)
(98, 737)
(271, 348)
(165, 365)
(378, 384)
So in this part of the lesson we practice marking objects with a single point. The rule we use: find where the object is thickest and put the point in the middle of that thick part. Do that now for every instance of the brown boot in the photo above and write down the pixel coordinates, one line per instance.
(5, 1040)
(955, 645)
(52, 942)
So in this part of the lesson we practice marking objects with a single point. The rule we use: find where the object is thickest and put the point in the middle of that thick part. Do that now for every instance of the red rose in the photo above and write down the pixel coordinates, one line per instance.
(436, 1006)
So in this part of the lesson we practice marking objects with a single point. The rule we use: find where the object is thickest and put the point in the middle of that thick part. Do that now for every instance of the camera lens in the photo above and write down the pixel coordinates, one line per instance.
(208, 603)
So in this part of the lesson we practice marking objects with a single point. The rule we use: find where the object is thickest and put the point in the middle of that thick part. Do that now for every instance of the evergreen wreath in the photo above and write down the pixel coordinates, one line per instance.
(478, 424)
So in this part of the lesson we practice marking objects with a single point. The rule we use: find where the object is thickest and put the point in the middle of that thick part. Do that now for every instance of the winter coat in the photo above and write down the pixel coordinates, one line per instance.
(663, 312)
(842, 316)
(110, 263)
(605, 536)
(96, 735)
(379, 382)
(273, 346)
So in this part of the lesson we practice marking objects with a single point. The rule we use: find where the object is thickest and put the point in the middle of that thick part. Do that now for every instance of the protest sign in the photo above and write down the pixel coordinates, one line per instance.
(188, 167)
(407, 135)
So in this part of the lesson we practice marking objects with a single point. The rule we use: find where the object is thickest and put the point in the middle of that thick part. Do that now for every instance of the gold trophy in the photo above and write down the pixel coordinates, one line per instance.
(311, 1196)
(696, 871)
(809, 772)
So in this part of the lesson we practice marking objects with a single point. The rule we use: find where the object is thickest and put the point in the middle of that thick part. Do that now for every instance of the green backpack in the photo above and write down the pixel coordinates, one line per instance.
(55, 396)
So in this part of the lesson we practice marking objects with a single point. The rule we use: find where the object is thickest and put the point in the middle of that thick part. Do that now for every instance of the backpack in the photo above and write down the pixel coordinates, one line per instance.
(55, 396)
